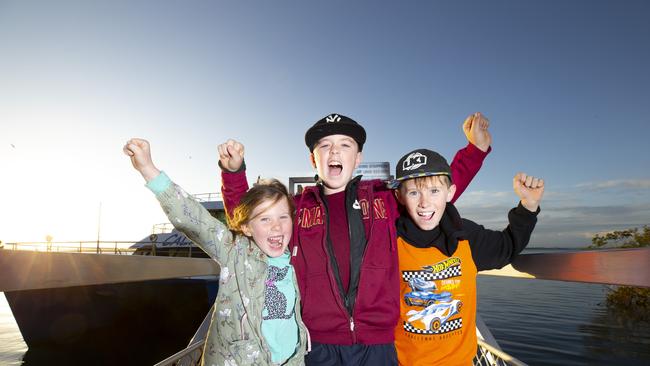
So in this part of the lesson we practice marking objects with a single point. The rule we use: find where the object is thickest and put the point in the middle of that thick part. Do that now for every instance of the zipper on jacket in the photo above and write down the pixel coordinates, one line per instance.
(371, 213)
(341, 300)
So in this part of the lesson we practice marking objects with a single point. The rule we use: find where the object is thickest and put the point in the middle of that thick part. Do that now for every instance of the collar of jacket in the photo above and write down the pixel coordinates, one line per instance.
(444, 237)
(351, 184)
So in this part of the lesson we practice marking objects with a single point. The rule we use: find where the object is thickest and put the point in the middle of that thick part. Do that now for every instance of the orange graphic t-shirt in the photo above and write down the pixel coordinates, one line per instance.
(437, 306)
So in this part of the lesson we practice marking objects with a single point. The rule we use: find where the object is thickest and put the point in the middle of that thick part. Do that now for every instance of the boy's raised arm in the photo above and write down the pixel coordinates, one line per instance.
(184, 212)
(529, 189)
(494, 249)
(233, 174)
(468, 160)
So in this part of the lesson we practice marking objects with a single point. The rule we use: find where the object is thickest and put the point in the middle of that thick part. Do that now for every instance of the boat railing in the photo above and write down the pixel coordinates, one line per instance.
(190, 356)
(162, 228)
(486, 356)
(97, 247)
(489, 355)
(488, 352)
(208, 197)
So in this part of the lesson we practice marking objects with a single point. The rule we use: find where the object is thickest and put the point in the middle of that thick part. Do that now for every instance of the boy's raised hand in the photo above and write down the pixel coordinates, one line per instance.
(140, 153)
(231, 155)
(476, 131)
(529, 189)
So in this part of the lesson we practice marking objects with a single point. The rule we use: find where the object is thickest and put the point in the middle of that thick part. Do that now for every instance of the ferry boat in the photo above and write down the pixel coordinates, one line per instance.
(157, 315)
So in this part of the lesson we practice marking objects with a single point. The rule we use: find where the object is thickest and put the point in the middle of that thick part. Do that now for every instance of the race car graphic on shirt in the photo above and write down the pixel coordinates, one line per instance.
(422, 294)
(435, 311)
(436, 315)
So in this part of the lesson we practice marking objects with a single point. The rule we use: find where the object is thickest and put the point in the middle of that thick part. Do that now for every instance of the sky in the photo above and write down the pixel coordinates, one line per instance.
(564, 84)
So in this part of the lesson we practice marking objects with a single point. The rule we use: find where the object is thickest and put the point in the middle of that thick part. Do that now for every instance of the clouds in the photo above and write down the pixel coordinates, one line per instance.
(570, 216)
(622, 184)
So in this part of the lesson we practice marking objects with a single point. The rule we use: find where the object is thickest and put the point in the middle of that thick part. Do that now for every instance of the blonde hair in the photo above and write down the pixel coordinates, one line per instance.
(421, 182)
(264, 190)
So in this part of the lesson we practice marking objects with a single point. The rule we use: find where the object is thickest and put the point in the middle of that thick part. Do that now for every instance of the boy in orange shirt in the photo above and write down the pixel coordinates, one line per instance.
(440, 255)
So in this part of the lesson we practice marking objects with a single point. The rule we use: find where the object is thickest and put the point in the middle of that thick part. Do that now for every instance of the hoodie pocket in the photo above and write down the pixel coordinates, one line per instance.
(320, 311)
(376, 306)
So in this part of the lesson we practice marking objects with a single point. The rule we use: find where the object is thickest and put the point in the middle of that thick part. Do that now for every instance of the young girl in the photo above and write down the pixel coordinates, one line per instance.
(257, 317)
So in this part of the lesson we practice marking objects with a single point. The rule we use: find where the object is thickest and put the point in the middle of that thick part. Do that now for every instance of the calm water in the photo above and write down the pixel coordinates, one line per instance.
(12, 347)
(559, 323)
(540, 322)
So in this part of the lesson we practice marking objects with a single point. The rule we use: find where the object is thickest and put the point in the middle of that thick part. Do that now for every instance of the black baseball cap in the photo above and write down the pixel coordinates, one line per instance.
(419, 163)
(335, 124)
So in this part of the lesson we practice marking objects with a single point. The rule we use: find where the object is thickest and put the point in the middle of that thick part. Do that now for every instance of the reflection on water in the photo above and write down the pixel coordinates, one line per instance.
(12, 346)
(611, 336)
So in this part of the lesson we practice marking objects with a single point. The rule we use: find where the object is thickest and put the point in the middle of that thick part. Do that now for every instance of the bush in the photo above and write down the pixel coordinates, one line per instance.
(630, 302)
(630, 238)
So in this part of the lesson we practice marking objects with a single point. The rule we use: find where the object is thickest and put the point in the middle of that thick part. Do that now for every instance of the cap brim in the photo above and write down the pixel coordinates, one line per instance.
(356, 132)
(394, 184)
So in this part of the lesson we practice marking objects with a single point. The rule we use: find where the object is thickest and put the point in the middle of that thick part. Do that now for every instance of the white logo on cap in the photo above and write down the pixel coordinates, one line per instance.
(332, 118)
(414, 161)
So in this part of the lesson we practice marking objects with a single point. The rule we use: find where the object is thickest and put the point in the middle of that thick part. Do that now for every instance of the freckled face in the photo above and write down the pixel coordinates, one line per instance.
(335, 158)
(426, 204)
(270, 227)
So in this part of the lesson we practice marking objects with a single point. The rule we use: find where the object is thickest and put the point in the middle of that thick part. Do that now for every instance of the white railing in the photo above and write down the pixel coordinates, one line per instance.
(190, 356)
(488, 355)
(98, 247)
(162, 228)
(208, 197)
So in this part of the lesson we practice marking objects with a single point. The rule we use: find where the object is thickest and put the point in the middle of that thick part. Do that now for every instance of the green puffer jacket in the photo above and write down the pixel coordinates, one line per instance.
(235, 334)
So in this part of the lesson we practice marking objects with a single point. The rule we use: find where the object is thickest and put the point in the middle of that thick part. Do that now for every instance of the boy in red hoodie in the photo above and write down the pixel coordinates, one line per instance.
(344, 245)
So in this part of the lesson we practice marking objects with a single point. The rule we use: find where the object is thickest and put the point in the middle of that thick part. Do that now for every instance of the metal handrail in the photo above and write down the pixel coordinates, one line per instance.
(162, 228)
(198, 338)
(98, 247)
(491, 356)
(208, 197)
(486, 355)
(625, 266)
(190, 356)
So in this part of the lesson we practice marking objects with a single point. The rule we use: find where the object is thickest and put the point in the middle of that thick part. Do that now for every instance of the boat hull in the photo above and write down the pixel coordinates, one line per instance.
(157, 316)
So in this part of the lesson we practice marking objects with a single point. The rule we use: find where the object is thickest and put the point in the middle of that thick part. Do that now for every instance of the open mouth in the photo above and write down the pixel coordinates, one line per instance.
(426, 215)
(335, 168)
(275, 241)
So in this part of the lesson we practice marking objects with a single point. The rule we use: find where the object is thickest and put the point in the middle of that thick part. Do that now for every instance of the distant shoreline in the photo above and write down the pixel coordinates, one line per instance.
(554, 248)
